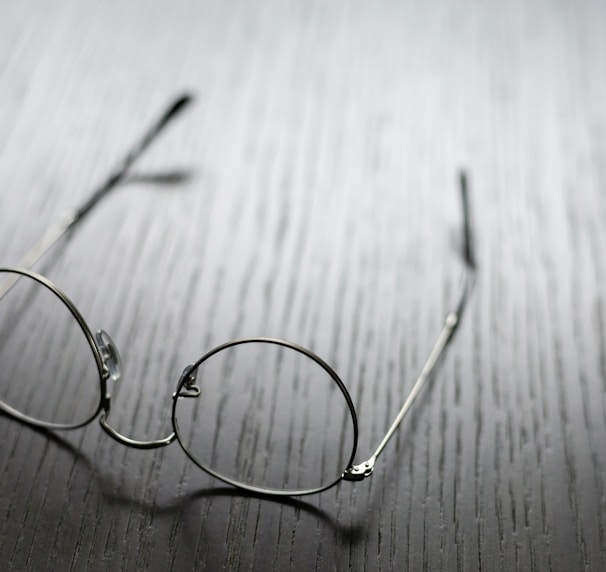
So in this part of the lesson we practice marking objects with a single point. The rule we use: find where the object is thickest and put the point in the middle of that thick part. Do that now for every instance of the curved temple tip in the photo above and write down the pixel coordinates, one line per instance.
(180, 103)
(469, 250)
(463, 180)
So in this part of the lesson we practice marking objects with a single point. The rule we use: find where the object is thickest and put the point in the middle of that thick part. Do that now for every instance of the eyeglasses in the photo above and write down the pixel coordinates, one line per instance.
(261, 414)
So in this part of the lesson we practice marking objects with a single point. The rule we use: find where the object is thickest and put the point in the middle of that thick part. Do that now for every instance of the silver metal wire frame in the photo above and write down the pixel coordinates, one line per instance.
(186, 388)
(108, 360)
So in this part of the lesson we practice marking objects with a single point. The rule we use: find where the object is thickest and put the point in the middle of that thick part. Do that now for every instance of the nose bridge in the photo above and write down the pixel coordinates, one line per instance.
(112, 364)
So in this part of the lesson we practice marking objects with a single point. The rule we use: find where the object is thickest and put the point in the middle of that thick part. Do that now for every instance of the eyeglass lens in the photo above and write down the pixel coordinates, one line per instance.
(47, 366)
(267, 416)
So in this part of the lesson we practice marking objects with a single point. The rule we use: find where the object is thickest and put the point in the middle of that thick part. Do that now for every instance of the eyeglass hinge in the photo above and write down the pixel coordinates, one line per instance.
(361, 471)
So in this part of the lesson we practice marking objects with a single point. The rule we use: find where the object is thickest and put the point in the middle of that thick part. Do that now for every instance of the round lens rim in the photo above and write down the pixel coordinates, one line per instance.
(4, 407)
(286, 344)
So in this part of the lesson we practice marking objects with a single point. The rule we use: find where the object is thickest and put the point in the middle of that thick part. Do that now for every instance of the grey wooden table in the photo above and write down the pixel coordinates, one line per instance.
(317, 202)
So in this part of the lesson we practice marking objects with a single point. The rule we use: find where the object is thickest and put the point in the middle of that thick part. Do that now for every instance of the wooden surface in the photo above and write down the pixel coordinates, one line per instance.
(321, 207)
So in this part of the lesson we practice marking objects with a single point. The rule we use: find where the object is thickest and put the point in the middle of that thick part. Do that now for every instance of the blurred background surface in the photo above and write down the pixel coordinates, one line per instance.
(320, 206)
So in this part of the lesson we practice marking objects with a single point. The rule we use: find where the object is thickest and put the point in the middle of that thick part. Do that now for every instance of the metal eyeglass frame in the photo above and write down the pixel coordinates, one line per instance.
(107, 357)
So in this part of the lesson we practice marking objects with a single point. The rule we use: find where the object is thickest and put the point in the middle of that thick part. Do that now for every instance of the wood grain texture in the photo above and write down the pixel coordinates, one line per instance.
(323, 150)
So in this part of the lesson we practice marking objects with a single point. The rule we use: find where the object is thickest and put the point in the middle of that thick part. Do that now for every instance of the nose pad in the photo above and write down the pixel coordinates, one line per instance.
(188, 378)
(109, 354)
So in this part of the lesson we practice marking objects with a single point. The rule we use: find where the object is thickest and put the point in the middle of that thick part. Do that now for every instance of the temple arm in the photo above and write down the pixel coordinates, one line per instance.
(451, 323)
(72, 217)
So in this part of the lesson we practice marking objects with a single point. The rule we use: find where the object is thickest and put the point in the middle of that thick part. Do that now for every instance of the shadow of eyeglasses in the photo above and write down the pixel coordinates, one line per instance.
(183, 504)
